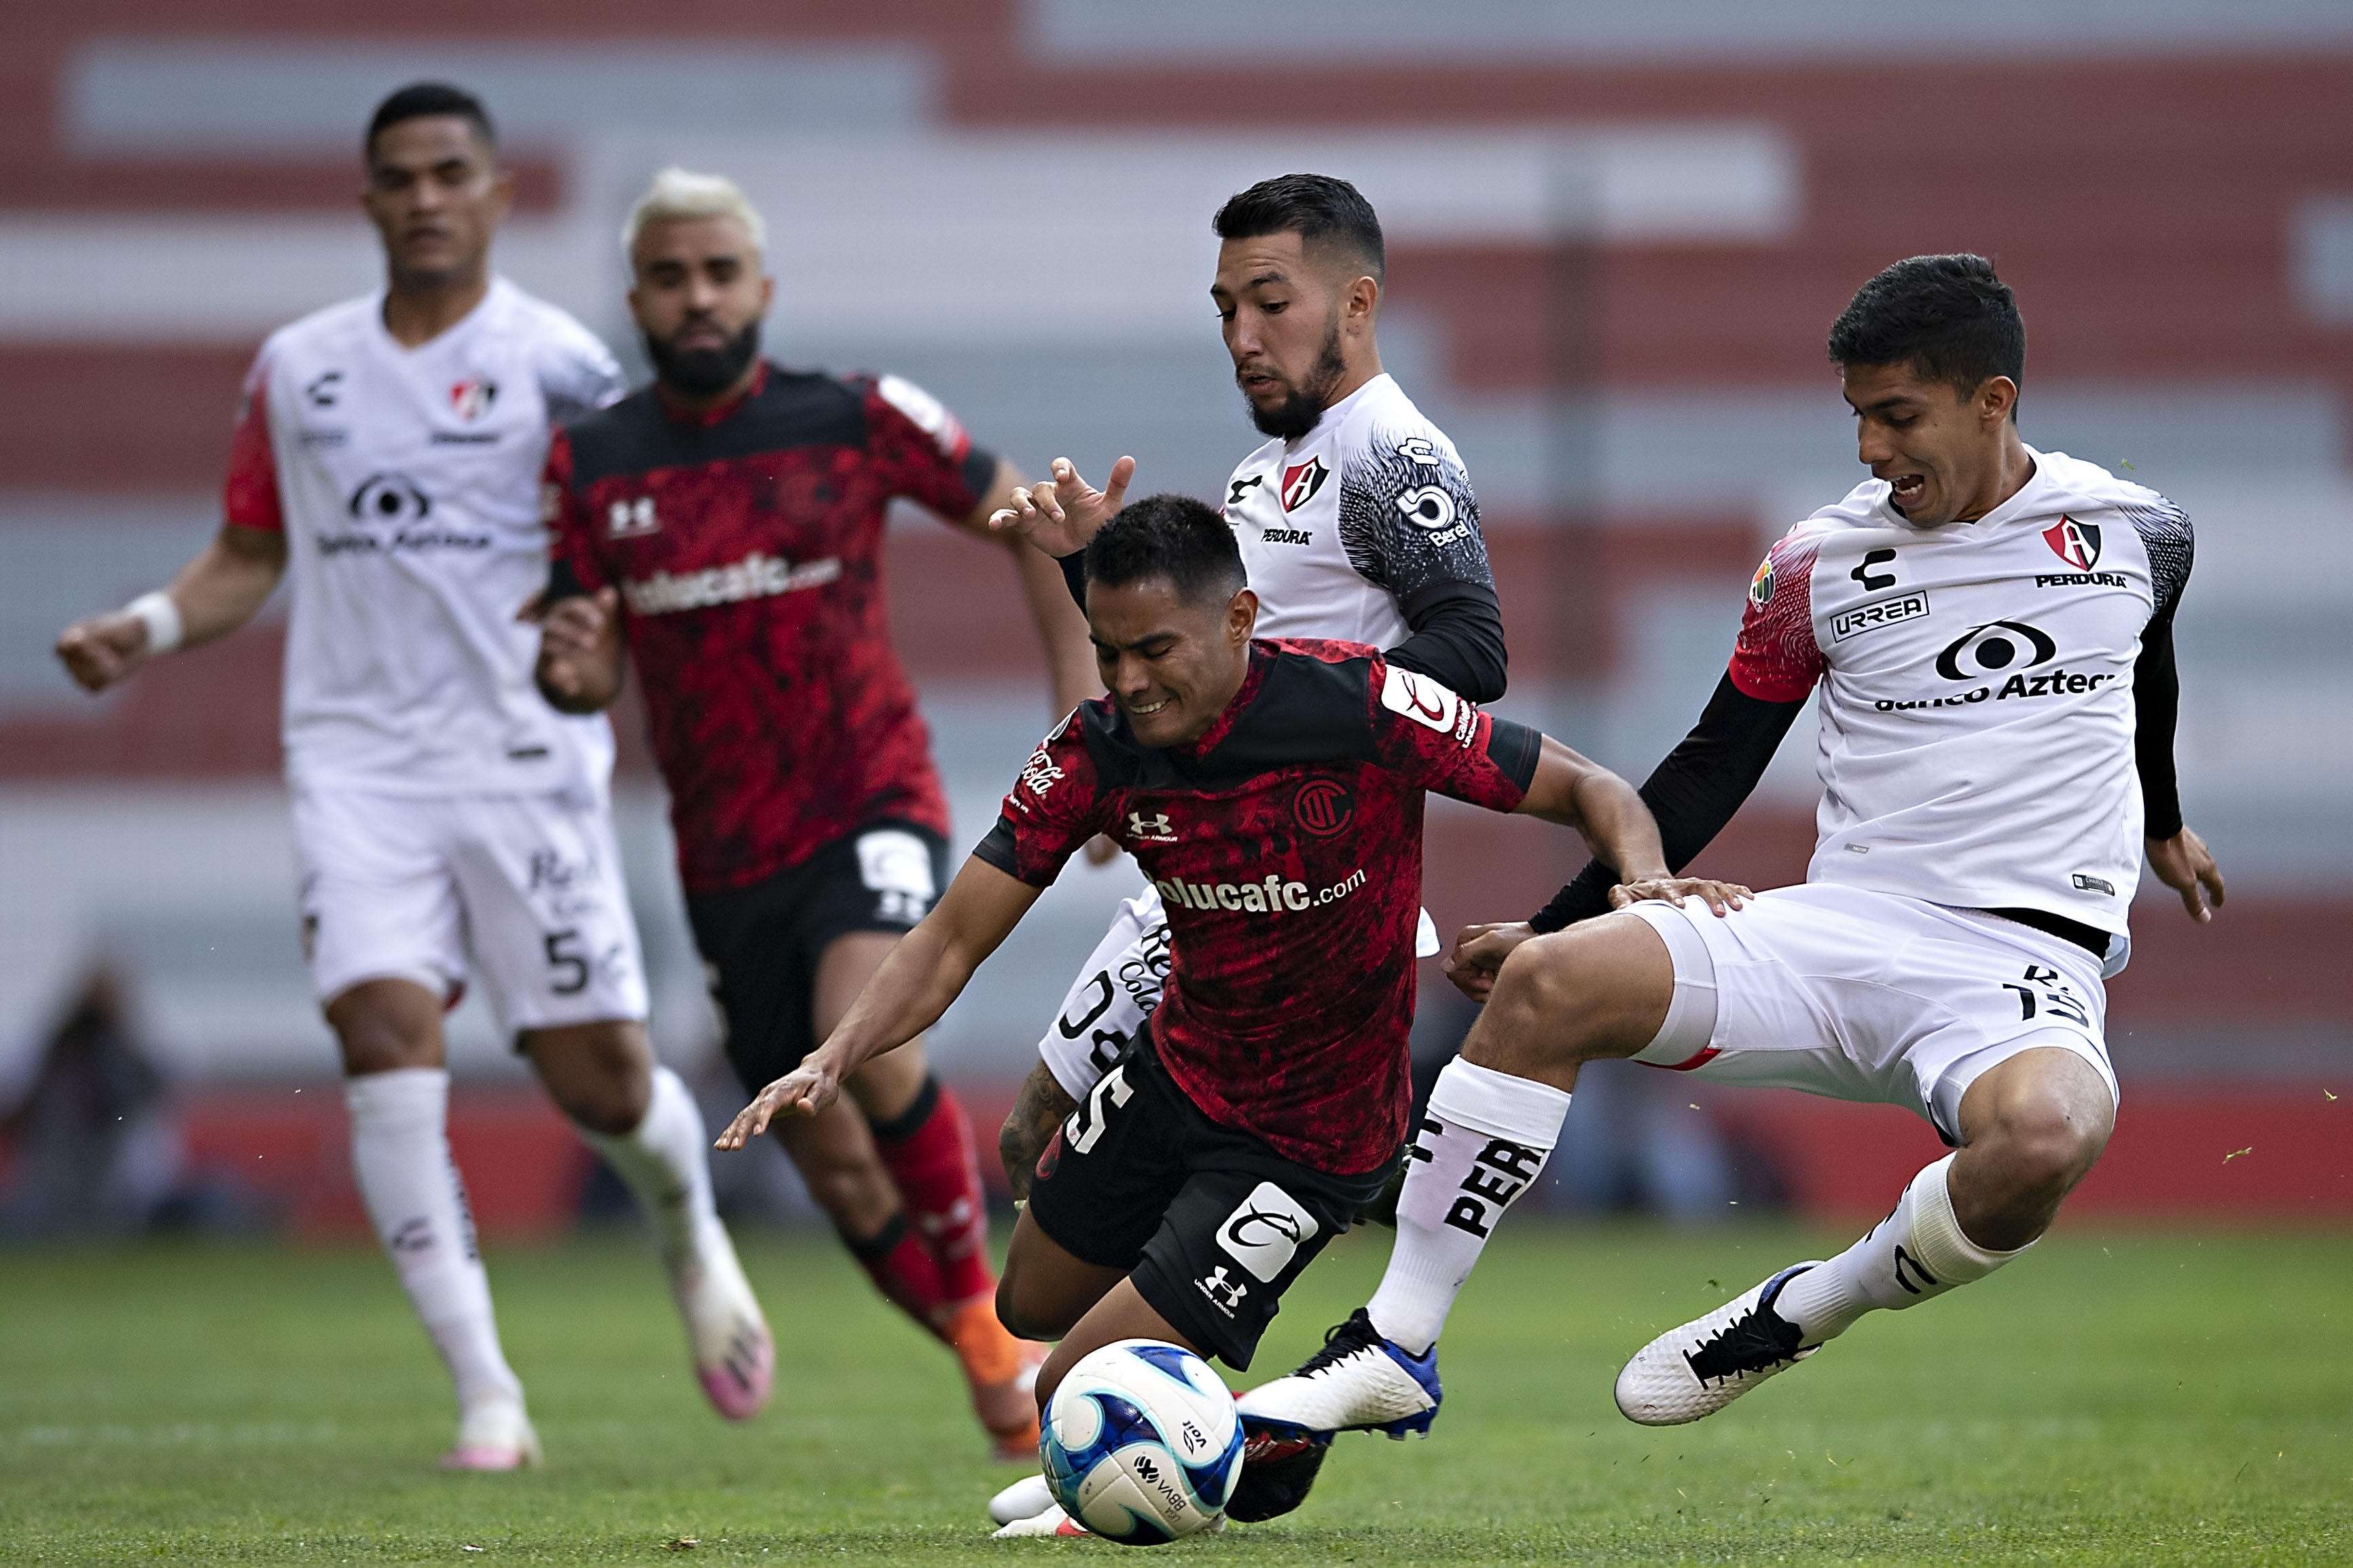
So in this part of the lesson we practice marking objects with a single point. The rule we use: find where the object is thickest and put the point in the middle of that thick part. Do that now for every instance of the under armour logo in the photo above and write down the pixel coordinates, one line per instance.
(1152, 828)
(1224, 1294)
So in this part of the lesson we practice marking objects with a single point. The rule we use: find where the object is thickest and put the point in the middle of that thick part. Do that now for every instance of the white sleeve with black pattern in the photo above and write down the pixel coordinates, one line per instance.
(1408, 516)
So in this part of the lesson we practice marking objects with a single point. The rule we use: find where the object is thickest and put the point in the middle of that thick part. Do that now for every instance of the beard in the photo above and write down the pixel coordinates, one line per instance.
(1297, 414)
(703, 373)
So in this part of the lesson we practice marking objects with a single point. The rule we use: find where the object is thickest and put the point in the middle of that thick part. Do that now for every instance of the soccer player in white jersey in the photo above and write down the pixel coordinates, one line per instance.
(1990, 630)
(1355, 520)
(388, 453)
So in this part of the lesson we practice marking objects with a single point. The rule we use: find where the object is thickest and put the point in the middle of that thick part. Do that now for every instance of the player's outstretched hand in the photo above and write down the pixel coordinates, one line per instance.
(1061, 513)
(2184, 864)
(806, 1091)
(98, 650)
(1479, 952)
(572, 635)
(1722, 897)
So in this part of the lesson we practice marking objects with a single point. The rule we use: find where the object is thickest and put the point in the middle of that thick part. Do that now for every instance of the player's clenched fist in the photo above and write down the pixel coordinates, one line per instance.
(98, 650)
(807, 1091)
(1479, 952)
(580, 650)
(1059, 515)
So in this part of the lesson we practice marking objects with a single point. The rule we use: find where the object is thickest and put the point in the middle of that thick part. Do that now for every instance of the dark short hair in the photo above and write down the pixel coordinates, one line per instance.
(1319, 208)
(1948, 316)
(1169, 536)
(420, 99)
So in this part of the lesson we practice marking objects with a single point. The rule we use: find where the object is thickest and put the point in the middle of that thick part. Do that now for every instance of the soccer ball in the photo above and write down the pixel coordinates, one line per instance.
(1141, 1443)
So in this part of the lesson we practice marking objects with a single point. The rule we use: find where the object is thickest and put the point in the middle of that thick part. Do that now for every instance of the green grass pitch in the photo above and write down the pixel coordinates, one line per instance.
(2126, 1397)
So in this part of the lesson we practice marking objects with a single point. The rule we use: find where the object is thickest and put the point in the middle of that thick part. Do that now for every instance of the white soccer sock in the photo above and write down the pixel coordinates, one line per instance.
(414, 1197)
(1481, 1145)
(664, 1163)
(1913, 1254)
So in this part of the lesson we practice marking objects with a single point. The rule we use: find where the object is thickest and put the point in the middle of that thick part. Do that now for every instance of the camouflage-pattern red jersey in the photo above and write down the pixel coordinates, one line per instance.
(746, 545)
(1286, 843)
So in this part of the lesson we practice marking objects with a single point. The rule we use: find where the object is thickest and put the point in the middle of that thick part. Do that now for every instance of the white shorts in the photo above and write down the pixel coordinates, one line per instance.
(1116, 993)
(1855, 995)
(403, 887)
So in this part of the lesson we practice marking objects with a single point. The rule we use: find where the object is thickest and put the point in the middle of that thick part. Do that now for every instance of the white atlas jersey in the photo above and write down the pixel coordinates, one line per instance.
(1976, 689)
(1340, 526)
(407, 484)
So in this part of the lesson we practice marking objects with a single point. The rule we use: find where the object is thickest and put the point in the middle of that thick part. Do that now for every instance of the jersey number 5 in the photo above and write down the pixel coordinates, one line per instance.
(1084, 1128)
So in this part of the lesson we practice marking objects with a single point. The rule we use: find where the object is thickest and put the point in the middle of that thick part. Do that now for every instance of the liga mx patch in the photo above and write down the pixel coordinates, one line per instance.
(1761, 587)
(1423, 701)
(2076, 544)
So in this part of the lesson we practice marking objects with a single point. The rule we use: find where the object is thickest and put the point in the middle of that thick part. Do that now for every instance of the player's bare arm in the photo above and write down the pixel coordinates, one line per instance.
(221, 589)
(2184, 864)
(1037, 1109)
(925, 971)
(1059, 513)
(581, 659)
(1576, 792)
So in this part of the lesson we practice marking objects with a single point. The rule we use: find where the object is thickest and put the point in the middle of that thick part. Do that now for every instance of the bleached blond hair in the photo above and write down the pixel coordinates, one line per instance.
(681, 194)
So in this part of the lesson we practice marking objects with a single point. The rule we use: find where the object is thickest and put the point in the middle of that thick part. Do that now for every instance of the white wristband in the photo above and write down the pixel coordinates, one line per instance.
(165, 627)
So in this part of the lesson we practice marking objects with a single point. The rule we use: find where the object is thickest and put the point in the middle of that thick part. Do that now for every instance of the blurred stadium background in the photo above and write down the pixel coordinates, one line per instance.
(1617, 236)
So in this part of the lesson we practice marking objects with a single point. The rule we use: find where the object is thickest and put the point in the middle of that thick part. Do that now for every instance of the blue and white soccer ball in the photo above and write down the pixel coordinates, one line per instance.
(1141, 1443)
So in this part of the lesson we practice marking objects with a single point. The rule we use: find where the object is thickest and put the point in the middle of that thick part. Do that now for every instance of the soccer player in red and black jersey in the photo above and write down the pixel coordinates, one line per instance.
(724, 527)
(1274, 792)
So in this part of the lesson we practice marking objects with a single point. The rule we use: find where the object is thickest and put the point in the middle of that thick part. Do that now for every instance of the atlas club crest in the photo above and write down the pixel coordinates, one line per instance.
(1300, 481)
(2076, 544)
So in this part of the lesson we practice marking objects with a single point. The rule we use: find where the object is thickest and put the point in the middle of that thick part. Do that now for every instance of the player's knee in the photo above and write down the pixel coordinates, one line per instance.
(1546, 1000)
(1023, 1312)
(2047, 1145)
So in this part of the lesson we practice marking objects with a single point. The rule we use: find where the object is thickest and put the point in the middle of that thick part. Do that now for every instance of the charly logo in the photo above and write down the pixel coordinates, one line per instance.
(2076, 544)
(1323, 807)
(1990, 648)
(1237, 488)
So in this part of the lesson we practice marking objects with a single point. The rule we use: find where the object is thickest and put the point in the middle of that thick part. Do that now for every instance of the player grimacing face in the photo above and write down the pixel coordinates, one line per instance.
(699, 299)
(1285, 319)
(436, 194)
(1171, 663)
(1939, 449)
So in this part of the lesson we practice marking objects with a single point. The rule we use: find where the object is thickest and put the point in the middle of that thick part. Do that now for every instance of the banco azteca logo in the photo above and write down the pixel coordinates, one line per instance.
(2076, 544)
(1993, 647)
(389, 498)
(1323, 807)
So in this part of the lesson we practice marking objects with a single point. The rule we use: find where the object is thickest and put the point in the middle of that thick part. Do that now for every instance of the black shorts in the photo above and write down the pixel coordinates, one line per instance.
(1211, 1224)
(762, 942)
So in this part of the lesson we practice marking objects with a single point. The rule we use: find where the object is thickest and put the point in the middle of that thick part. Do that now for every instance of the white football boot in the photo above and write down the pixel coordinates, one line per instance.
(494, 1435)
(1710, 1361)
(1024, 1499)
(1358, 1382)
(734, 1358)
(1049, 1521)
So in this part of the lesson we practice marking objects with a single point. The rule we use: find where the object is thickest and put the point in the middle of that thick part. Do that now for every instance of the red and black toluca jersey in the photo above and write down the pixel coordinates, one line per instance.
(1286, 843)
(746, 544)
